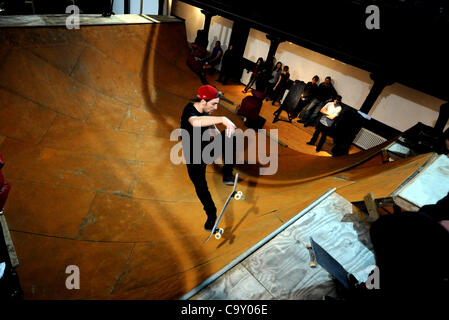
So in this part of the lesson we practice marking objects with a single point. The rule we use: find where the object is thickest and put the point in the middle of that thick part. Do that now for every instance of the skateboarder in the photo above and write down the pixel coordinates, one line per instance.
(196, 117)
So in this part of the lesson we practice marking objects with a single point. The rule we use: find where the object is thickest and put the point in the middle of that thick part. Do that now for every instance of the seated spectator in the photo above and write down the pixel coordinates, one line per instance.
(281, 85)
(329, 112)
(215, 57)
(196, 58)
(201, 39)
(255, 74)
(325, 92)
(250, 109)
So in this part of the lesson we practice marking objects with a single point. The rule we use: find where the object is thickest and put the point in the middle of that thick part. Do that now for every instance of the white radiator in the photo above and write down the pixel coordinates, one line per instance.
(366, 139)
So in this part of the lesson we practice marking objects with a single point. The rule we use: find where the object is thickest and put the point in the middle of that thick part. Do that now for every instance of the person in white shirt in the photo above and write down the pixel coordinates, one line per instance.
(329, 112)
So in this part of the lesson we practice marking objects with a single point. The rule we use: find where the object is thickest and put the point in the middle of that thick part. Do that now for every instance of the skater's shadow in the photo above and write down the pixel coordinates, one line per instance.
(229, 233)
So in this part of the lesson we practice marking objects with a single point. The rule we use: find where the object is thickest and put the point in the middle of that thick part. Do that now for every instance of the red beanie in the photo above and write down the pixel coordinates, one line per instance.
(207, 92)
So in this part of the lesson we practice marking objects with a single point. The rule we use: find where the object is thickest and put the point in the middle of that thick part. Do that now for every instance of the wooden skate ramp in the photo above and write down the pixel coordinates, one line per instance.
(86, 117)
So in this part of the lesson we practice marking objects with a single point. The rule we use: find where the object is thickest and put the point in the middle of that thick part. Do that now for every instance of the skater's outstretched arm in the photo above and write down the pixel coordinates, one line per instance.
(208, 121)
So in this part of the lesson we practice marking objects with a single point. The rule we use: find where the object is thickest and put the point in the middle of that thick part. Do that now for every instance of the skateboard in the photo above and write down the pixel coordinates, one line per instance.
(320, 256)
(237, 195)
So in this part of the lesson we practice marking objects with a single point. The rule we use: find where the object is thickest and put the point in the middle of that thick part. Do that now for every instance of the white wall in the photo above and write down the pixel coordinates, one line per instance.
(398, 106)
(149, 7)
(193, 16)
(402, 107)
(220, 28)
(256, 46)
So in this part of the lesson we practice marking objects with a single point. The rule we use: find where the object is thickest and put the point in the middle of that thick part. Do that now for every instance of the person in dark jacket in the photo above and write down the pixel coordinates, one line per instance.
(310, 91)
(265, 76)
(281, 85)
(325, 92)
(227, 65)
(255, 74)
(196, 119)
(411, 253)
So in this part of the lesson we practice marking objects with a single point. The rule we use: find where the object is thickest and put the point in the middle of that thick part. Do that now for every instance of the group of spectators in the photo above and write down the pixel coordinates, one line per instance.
(318, 105)
(228, 61)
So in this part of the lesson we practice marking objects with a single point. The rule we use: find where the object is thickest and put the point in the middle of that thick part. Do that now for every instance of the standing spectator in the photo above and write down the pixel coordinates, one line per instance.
(325, 92)
(281, 85)
(265, 75)
(330, 111)
(227, 65)
(255, 74)
(275, 74)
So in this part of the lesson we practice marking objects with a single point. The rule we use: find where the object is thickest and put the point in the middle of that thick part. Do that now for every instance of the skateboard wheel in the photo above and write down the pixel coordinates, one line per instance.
(237, 197)
(218, 233)
(312, 264)
(309, 246)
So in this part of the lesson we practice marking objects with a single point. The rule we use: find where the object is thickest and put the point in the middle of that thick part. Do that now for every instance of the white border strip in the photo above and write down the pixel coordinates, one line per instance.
(254, 248)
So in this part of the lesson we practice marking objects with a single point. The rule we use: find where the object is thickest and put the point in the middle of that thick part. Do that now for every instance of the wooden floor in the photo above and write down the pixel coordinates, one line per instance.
(85, 133)
(294, 134)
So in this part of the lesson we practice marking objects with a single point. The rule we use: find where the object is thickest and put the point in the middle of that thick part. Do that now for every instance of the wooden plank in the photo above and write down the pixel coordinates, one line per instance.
(404, 204)
(371, 207)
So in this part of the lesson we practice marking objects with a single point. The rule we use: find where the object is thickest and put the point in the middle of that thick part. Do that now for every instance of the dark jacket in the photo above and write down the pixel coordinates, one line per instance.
(438, 211)
(228, 59)
(325, 93)
(310, 91)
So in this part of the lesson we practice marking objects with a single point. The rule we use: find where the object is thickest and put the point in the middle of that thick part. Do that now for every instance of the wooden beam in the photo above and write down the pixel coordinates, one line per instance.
(371, 206)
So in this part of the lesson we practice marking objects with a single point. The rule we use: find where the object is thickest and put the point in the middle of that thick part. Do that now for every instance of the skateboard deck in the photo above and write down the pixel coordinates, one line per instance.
(320, 256)
(237, 195)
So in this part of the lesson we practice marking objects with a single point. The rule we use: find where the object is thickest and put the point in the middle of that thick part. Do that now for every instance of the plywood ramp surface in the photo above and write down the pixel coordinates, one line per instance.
(382, 181)
(85, 133)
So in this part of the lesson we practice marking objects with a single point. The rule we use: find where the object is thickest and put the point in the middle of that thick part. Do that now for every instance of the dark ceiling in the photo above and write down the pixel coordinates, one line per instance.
(410, 47)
